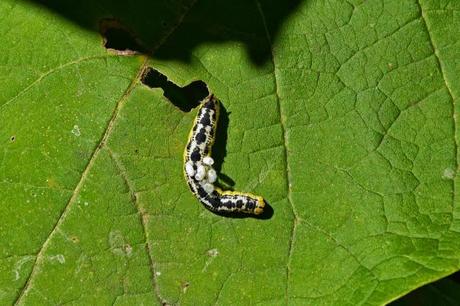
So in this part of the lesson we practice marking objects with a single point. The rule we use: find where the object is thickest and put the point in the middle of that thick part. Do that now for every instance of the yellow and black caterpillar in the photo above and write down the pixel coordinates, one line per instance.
(200, 174)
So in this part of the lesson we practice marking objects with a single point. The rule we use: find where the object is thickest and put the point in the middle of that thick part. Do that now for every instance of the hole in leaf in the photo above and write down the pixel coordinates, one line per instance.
(118, 38)
(185, 98)
(13, 138)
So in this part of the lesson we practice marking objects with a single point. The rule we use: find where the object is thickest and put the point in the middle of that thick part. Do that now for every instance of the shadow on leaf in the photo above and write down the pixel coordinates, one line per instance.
(173, 29)
(445, 291)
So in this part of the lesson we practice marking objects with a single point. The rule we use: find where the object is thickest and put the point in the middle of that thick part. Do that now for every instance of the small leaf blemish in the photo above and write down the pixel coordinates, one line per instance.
(213, 252)
(448, 174)
(76, 130)
(185, 286)
(59, 258)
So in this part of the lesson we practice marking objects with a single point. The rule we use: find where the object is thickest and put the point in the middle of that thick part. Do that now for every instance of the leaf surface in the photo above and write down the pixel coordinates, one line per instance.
(342, 114)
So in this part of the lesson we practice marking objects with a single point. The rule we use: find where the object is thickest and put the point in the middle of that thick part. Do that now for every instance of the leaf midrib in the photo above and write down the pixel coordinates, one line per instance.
(288, 177)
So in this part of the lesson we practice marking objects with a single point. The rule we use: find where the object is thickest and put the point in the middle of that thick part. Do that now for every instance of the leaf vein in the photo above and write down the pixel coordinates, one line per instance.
(143, 218)
(296, 219)
(449, 89)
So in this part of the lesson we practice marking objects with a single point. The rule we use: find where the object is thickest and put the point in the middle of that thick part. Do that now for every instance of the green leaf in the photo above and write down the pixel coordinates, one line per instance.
(342, 114)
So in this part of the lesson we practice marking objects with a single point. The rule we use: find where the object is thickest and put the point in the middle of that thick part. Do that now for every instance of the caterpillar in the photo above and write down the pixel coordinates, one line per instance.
(198, 170)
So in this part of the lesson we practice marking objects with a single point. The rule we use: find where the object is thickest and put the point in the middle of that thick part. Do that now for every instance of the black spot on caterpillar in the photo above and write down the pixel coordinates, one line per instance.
(198, 170)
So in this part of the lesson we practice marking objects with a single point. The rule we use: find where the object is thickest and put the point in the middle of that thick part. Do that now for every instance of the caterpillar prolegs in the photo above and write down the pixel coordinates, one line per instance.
(200, 174)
